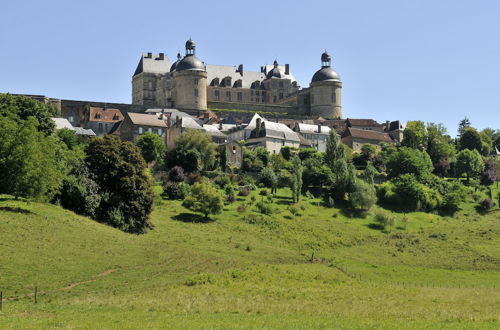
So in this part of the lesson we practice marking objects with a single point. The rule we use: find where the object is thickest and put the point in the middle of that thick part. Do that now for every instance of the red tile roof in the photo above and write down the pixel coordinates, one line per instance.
(367, 135)
(105, 115)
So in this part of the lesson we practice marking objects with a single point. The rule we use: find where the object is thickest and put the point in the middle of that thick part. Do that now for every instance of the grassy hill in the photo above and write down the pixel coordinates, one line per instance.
(319, 269)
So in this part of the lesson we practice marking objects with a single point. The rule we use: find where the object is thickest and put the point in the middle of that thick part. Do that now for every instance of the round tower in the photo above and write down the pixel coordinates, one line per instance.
(325, 91)
(190, 81)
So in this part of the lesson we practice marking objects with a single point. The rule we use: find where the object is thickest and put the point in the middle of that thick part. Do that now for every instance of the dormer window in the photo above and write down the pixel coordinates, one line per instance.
(115, 117)
(97, 116)
(238, 84)
(226, 82)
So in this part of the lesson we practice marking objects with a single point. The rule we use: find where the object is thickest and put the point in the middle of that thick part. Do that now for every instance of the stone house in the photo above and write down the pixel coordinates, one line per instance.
(272, 136)
(136, 124)
(316, 134)
(101, 120)
(355, 138)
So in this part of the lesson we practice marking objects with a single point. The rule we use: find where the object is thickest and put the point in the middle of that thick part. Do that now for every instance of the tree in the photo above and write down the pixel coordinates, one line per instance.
(490, 173)
(363, 196)
(407, 160)
(415, 135)
(343, 172)
(470, 139)
(439, 148)
(125, 184)
(369, 173)
(152, 147)
(269, 179)
(204, 198)
(223, 159)
(296, 182)
(194, 151)
(469, 162)
(29, 166)
(20, 108)
(462, 125)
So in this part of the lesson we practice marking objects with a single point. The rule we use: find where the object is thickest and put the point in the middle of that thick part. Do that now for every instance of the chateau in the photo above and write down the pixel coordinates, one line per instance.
(190, 84)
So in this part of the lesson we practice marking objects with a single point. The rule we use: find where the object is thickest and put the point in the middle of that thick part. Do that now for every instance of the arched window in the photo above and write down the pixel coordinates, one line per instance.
(214, 82)
(255, 85)
(238, 84)
(226, 82)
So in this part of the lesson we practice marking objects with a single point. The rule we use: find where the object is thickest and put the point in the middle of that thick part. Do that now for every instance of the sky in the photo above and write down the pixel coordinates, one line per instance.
(435, 61)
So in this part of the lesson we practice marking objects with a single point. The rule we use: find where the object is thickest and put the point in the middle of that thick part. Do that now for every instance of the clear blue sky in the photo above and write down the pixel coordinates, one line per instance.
(429, 60)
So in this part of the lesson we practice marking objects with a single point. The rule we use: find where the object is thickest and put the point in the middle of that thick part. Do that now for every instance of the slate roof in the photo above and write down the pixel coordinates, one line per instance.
(62, 123)
(84, 131)
(277, 131)
(153, 64)
(367, 135)
(213, 130)
(105, 115)
(146, 119)
(312, 129)
(248, 77)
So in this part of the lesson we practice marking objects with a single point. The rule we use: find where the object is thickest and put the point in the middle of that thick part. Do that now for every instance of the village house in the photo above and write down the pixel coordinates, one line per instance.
(355, 138)
(136, 124)
(101, 120)
(317, 135)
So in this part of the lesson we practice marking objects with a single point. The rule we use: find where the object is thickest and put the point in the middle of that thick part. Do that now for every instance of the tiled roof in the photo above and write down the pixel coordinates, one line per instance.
(104, 115)
(146, 119)
(362, 122)
(368, 135)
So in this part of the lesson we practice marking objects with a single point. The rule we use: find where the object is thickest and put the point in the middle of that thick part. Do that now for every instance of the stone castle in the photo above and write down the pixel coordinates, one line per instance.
(190, 84)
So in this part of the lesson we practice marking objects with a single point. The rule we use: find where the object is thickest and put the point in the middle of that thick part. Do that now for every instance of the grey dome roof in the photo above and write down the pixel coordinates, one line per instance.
(326, 74)
(174, 66)
(190, 62)
(190, 44)
(325, 57)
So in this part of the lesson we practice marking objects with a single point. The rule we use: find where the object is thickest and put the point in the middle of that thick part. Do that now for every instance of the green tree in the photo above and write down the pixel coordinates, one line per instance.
(194, 151)
(470, 139)
(269, 179)
(363, 196)
(469, 162)
(28, 160)
(204, 199)
(415, 135)
(462, 125)
(152, 147)
(369, 173)
(343, 172)
(125, 184)
(20, 108)
(296, 182)
(439, 148)
(408, 160)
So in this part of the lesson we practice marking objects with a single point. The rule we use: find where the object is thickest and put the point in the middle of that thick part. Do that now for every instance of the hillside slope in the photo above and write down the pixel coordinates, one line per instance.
(320, 269)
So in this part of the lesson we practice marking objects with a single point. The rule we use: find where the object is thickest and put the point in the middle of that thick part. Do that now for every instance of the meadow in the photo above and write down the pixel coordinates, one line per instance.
(319, 268)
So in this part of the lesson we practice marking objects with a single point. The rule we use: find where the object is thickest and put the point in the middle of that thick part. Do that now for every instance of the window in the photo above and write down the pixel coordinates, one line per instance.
(71, 119)
(234, 149)
(140, 130)
(196, 92)
(281, 84)
(216, 95)
(150, 130)
(334, 98)
(100, 127)
(150, 85)
(160, 131)
(274, 99)
(196, 80)
(257, 93)
(281, 96)
(97, 116)
(312, 99)
(240, 96)
(228, 96)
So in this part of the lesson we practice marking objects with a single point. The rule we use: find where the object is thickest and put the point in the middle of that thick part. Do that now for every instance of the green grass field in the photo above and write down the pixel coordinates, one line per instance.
(320, 269)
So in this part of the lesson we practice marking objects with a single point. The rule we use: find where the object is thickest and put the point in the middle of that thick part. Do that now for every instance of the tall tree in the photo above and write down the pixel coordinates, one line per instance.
(343, 171)
(296, 182)
(415, 135)
(462, 125)
(470, 139)
(194, 151)
(469, 162)
(120, 171)
(152, 147)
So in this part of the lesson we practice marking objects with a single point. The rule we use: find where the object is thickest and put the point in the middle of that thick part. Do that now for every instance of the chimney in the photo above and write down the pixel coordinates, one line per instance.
(161, 56)
(177, 121)
(169, 122)
(387, 125)
(287, 69)
(240, 69)
(220, 126)
(257, 127)
(150, 55)
(261, 69)
(319, 128)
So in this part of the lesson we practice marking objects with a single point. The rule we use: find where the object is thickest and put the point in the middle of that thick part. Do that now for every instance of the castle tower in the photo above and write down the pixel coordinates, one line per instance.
(190, 81)
(326, 88)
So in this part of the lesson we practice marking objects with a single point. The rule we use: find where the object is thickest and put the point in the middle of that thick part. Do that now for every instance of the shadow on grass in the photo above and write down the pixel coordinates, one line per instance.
(15, 209)
(192, 217)
(350, 213)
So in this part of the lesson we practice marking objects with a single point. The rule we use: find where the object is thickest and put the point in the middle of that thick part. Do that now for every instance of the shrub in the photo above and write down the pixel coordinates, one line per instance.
(284, 178)
(222, 181)
(242, 208)
(263, 192)
(309, 195)
(264, 208)
(204, 198)
(175, 190)
(384, 219)
(194, 178)
(230, 198)
(176, 174)
(486, 205)
(293, 210)
(244, 192)
(451, 202)
(199, 279)
(363, 197)
(268, 178)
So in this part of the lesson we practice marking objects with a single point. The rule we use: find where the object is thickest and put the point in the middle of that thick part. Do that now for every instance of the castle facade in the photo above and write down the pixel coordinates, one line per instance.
(190, 84)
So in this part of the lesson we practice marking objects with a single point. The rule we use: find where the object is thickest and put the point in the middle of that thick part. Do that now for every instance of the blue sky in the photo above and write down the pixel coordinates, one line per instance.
(436, 61)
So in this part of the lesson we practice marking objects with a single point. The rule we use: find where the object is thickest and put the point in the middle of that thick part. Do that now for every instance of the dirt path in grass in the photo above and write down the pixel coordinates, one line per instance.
(104, 273)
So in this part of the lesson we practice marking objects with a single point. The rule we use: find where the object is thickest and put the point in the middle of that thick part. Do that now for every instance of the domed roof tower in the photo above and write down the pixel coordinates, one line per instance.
(190, 80)
(326, 88)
